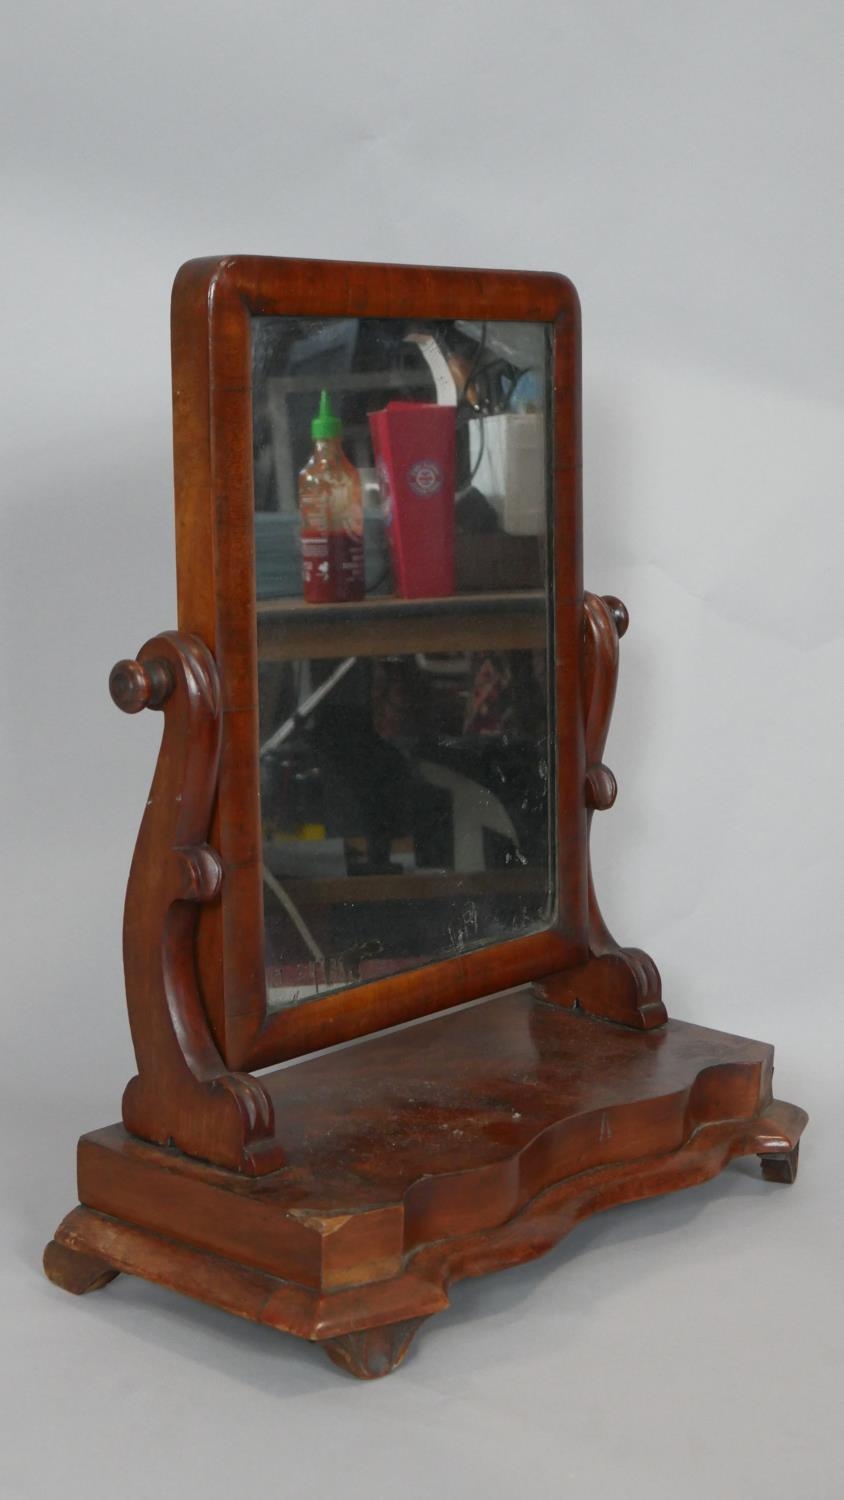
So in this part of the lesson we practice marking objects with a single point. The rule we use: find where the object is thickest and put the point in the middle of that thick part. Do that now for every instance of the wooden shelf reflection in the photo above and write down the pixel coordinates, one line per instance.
(414, 885)
(293, 630)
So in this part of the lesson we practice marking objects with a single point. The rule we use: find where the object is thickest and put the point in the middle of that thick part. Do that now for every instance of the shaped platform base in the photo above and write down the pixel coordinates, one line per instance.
(452, 1148)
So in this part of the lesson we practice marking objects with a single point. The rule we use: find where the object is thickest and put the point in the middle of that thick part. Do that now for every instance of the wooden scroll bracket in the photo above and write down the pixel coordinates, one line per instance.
(618, 984)
(183, 1094)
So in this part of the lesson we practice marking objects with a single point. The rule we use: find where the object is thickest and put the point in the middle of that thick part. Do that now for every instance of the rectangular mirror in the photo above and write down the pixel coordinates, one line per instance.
(378, 537)
(402, 634)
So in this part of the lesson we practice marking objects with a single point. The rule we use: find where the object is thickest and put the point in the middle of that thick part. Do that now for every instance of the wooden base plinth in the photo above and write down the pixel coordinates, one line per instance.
(453, 1148)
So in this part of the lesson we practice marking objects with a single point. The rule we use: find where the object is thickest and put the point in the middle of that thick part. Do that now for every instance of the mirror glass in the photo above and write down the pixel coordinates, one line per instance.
(402, 519)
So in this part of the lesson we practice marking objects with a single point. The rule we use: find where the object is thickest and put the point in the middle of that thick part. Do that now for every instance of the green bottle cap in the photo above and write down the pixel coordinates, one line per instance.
(325, 424)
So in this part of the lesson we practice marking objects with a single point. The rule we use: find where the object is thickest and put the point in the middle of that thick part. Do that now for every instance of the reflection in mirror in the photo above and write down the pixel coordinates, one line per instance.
(402, 502)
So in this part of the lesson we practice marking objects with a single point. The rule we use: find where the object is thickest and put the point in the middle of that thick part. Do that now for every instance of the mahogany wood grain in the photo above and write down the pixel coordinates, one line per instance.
(449, 1149)
(184, 1092)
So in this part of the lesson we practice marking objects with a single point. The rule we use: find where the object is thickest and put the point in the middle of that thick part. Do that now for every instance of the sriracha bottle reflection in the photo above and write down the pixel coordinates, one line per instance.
(331, 516)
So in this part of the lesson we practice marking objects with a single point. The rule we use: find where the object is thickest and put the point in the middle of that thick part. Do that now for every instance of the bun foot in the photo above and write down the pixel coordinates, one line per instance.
(75, 1272)
(781, 1168)
(374, 1351)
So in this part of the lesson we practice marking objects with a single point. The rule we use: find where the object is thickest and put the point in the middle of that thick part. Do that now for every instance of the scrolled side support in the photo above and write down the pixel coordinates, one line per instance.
(618, 984)
(183, 1093)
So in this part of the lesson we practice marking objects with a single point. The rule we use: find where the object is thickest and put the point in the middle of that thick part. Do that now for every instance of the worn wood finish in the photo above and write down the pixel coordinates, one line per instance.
(183, 1091)
(74, 1271)
(373, 1352)
(213, 301)
(451, 1149)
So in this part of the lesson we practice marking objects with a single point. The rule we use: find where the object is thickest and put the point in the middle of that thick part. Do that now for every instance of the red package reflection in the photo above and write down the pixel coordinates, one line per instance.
(414, 453)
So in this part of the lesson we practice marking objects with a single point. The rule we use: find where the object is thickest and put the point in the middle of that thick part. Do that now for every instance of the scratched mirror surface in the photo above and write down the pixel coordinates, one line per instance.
(402, 523)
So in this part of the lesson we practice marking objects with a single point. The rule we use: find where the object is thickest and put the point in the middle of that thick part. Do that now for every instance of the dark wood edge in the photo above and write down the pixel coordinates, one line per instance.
(212, 304)
(373, 1352)
(779, 1150)
(421, 1288)
(74, 1271)
(285, 286)
(616, 983)
(183, 1093)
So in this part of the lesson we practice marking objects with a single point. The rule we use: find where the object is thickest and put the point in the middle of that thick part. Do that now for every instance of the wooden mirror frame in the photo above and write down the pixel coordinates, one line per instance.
(213, 303)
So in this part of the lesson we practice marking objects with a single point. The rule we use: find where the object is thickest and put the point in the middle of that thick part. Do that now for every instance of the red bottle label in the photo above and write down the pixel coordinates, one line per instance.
(316, 570)
(345, 552)
(332, 567)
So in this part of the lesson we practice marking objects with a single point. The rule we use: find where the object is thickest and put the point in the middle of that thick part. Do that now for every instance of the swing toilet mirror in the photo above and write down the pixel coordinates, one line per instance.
(385, 711)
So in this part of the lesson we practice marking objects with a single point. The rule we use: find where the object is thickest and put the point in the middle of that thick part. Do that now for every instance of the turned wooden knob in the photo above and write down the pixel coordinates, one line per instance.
(601, 788)
(140, 684)
(619, 613)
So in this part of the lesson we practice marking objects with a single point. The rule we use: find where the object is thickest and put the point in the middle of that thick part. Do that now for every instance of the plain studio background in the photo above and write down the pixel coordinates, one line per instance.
(682, 162)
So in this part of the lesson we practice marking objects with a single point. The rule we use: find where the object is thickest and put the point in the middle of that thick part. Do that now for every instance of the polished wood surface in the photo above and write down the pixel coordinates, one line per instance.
(183, 1091)
(448, 1149)
(405, 1116)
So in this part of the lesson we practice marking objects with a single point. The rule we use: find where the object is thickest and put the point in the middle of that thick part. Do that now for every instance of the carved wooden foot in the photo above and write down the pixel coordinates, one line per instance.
(781, 1168)
(75, 1272)
(374, 1351)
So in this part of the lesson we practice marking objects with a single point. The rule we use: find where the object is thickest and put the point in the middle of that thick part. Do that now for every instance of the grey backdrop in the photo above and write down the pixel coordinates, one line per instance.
(683, 163)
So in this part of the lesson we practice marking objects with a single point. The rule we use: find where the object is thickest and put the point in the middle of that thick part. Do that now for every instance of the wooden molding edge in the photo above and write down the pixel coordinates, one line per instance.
(367, 1329)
